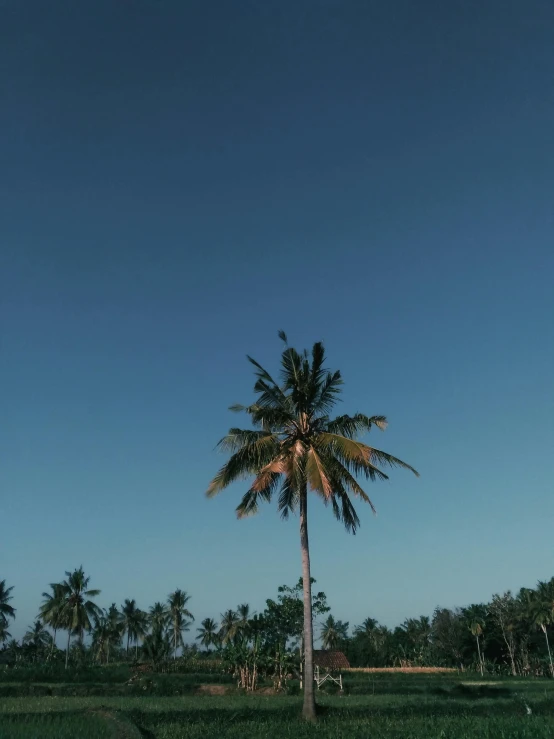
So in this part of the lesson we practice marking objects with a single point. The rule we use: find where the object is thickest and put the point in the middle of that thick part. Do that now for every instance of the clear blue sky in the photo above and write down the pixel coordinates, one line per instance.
(181, 180)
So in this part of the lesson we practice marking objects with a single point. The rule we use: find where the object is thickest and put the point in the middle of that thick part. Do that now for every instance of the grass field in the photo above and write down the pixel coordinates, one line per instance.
(418, 706)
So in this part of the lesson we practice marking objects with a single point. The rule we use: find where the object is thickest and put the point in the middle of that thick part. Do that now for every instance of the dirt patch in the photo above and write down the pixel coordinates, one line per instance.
(210, 689)
(266, 691)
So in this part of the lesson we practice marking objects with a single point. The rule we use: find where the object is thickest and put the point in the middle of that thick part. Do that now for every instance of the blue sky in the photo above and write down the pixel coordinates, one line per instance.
(181, 180)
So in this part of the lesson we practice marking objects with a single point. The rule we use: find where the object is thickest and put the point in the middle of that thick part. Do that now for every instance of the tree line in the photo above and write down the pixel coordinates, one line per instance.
(509, 634)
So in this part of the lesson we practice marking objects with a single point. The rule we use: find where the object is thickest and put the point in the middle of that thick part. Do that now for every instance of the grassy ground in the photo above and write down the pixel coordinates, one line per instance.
(387, 706)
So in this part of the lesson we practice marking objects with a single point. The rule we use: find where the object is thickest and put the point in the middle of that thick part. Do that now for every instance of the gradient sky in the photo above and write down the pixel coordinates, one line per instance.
(179, 180)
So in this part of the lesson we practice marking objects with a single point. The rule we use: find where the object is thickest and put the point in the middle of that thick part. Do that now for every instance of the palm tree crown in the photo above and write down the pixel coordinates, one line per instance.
(133, 620)
(333, 632)
(178, 614)
(158, 616)
(207, 633)
(6, 611)
(37, 636)
(229, 626)
(51, 609)
(78, 609)
(295, 446)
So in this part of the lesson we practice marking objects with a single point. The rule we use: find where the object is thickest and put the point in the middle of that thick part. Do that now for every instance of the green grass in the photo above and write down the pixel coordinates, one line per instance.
(388, 707)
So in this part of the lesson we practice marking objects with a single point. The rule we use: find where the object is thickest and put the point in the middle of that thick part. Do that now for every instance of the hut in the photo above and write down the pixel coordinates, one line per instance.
(329, 664)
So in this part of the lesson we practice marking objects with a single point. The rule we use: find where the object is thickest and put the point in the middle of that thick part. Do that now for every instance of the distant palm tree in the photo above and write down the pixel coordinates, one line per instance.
(37, 637)
(207, 633)
(157, 617)
(367, 627)
(229, 626)
(476, 627)
(374, 635)
(243, 614)
(107, 631)
(77, 609)
(51, 609)
(179, 617)
(294, 446)
(157, 645)
(475, 619)
(541, 611)
(332, 633)
(6, 611)
(133, 620)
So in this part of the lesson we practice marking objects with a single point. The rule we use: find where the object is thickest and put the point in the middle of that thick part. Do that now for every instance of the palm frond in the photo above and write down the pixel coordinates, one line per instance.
(326, 394)
(291, 362)
(250, 500)
(239, 438)
(288, 498)
(350, 518)
(338, 471)
(316, 474)
(354, 455)
(352, 426)
(388, 459)
(246, 461)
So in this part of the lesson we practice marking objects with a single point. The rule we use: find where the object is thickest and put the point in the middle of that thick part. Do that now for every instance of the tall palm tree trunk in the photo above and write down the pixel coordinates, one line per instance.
(128, 637)
(308, 710)
(136, 649)
(479, 653)
(549, 652)
(67, 650)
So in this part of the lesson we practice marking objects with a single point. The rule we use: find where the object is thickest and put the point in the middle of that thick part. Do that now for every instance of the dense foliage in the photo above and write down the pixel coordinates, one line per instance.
(510, 635)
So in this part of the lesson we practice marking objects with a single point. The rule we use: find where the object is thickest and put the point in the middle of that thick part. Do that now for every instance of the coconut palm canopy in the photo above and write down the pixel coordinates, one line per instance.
(295, 444)
(6, 610)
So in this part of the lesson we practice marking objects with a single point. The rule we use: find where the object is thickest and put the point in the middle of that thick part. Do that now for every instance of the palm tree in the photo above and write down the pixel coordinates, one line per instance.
(77, 609)
(133, 621)
(207, 633)
(178, 614)
(107, 631)
(157, 616)
(541, 611)
(51, 609)
(367, 627)
(476, 627)
(157, 645)
(332, 633)
(6, 611)
(475, 619)
(229, 626)
(37, 637)
(243, 614)
(295, 446)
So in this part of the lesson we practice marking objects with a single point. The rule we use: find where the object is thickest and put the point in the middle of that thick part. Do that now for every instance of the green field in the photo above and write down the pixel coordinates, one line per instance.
(407, 706)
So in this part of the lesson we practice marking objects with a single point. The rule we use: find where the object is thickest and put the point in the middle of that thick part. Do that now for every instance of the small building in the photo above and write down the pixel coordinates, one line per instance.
(329, 662)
